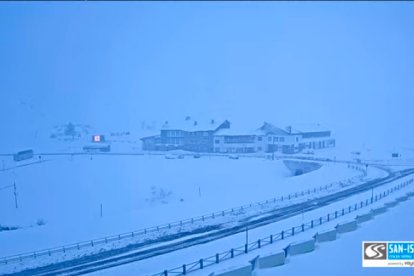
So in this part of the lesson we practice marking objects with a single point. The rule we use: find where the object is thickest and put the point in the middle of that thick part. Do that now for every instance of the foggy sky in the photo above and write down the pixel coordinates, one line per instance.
(348, 66)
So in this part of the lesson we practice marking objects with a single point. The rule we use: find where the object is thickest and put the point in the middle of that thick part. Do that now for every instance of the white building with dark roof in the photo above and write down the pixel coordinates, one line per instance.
(224, 137)
(189, 134)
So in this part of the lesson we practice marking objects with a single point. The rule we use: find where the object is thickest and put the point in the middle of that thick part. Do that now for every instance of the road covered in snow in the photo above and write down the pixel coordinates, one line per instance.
(227, 227)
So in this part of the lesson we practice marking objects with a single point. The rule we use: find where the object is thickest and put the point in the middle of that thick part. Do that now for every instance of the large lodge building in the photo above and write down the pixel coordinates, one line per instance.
(222, 137)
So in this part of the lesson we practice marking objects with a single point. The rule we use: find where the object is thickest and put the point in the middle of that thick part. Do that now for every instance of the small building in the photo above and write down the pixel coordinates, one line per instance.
(313, 136)
(96, 148)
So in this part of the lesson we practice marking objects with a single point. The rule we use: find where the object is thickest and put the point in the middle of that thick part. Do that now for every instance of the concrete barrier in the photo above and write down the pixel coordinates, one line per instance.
(272, 260)
(324, 236)
(301, 247)
(348, 226)
(379, 210)
(254, 262)
(245, 270)
(364, 217)
(391, 204)
(401, 198)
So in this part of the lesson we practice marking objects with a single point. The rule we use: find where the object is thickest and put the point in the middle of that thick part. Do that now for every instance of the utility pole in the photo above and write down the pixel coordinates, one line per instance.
(247, 234)
(15, 195)
(101, 209)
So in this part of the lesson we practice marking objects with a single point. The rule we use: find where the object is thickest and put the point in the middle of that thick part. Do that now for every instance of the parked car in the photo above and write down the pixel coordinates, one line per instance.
(180, 156)
(197, 155)
(233, 156)
(170, 156)
(23, 155)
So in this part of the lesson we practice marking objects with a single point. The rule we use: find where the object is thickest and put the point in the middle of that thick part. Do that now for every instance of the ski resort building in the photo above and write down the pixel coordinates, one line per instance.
(223, 137)
(190, 135)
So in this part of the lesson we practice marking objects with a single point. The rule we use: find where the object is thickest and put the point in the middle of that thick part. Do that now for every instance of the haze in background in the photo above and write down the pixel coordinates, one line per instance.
(348, 66)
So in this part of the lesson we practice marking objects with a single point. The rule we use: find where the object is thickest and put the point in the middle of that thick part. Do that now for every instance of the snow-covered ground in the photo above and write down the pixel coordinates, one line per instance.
(343, 257)
(65, 193)
(192, 254)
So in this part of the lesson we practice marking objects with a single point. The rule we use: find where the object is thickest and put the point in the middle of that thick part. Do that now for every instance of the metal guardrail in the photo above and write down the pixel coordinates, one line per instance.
(246, 248)
(203, 218)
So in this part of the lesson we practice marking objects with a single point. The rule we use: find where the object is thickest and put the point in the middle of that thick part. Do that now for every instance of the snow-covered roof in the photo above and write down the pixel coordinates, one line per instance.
(265, 129)
(304, 128)
(268, 128)
(190, 124)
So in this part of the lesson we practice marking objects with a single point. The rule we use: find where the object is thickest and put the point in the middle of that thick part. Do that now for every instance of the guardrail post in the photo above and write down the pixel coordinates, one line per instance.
(303, 227)
(165, 273)
(64, 250)
(271, 238)
(259, 244)
(293, 231)
(282, 234)
(132, 234)
(328, 217)
(336, 214)
(184, 269)
(232, 253)
(320, 220)
(217, 258)
(246, 248)
(48, 252)
(201, 264)
(77, 246)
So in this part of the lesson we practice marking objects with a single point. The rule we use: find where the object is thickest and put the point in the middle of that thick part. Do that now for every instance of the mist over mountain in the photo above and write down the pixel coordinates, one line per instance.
(115, 66)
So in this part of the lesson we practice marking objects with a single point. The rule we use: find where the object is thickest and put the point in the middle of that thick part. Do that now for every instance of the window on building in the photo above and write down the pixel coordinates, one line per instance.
(282, 139)
(275, 139)
(269, 139)
(259, 138)
(216, 141)
(259, 149)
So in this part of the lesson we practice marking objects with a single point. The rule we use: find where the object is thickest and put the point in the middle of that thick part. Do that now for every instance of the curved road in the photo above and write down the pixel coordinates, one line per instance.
(135, 252)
